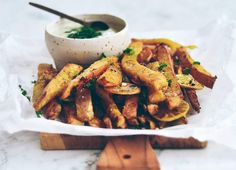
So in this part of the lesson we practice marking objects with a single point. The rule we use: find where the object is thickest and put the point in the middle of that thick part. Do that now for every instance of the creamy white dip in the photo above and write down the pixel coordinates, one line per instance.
(62, 27)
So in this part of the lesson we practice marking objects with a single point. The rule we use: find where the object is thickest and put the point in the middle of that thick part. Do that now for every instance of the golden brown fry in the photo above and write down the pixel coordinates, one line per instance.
(93, 71)
(196, 70)
(57, 84)
(138, 72)
(111, 77)
(95, 122)
(84, 107)
(173, 94)
(107, 122)
(145, 55)
(52, 110)
(130, 109)
(192, 96)
(70, 115)
(46, 73)
(124, 89)
(111, 108)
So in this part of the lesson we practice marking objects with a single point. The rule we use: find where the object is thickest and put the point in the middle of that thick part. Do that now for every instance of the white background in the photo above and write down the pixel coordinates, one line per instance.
(22, 150)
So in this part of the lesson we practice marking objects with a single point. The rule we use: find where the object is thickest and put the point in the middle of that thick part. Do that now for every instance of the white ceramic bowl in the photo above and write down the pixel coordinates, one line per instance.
(85, 51)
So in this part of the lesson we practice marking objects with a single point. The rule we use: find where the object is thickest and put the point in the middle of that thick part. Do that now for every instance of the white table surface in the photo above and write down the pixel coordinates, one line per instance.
(22, 150)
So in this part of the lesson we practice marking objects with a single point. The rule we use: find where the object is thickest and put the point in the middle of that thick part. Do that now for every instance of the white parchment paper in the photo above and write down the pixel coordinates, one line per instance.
(19, 57)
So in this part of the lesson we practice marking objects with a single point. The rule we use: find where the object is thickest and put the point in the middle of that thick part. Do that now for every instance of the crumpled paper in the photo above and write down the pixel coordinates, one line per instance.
(20, 56)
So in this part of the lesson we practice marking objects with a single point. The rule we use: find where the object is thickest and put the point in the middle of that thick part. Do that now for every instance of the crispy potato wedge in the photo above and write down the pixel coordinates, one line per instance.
(95, 122)
(111, 77)
(124, 89)
(167, 115)
(93, 71)
(52, 110)
(84, 106)
(196, 70)
(138, 72)
(173, 94)
(155, 96)
(111, 108)
(157, 41)
(192, 96)
(57, 84)
(70, 115)
(130, 108)
(187, 81)
(46, 73)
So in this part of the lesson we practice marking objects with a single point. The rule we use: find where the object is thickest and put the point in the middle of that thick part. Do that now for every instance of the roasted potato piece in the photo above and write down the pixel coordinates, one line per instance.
(84, 107)
(188, 82)
(124, 89)
(145, 55)
(130, 109)
(93, 71)
(111, 108)
(95, 122)
(157, 41)
(138, 72)
(57, 84)
(52, 110)
(192, 96)
(70, 115)
(196, 70)
(111, 77)
(167, 115)
(46, 73)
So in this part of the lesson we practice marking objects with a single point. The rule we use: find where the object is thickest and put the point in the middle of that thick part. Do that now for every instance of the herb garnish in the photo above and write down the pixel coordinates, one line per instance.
(102, 56)
(24, 92)
(186, 71)
(162, 66)
(169, 82)
(91, 83)
(33, 82)
(176, 61)
(83, 32)
(129, 51)
(39, 113)
(196, 63)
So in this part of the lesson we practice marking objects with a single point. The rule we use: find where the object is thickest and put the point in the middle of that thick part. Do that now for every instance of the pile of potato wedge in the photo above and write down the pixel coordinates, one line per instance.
(151, 85)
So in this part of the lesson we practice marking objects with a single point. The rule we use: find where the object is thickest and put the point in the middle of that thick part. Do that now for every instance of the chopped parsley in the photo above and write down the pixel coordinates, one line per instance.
(162, 66)
(186, 71)
(196, 63)
(102, 56)
(129, 51)
(33, 82)
(169, 82)
(83, 32)
(176, 61)
(39, 113)
(24, 92)
(91, 83)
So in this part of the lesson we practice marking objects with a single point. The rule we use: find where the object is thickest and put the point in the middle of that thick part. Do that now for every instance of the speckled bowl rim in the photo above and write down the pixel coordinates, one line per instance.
(124, 29)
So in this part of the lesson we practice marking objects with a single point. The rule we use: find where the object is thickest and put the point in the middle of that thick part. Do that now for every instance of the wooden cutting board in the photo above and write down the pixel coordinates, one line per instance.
(124, 152)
